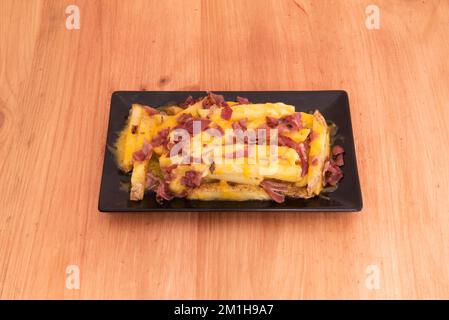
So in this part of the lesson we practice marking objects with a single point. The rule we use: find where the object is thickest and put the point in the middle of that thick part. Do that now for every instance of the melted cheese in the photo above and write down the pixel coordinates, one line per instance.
(319, 151)
(247, 173)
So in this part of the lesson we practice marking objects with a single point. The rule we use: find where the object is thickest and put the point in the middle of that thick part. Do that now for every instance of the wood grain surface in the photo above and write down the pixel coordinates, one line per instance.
(55, 91)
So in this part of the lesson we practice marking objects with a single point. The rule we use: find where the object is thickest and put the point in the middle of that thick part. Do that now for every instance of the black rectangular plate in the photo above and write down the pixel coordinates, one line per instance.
(333, 105)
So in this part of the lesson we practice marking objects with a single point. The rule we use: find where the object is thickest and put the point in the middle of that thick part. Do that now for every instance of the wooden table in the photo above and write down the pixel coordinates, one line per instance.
(55, 91)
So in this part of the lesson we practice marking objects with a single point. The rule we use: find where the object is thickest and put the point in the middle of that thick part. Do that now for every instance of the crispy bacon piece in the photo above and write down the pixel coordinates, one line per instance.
(240, 125)
(163, 192)
(336, 150)
(339, 161)
(183, 118)
(301, 149)
(242, 100)
(226, 113)
(332, 174)
(161, 138)
(272, 122)
(188, 102)
(191, 179)
(189, 125)
(150, 110)
(214, 99)
(293, 121)
(167, 171)
(337, 153)
(275, 189)
(159, 186)
(186, 121)
(145, 153)
(282, 128)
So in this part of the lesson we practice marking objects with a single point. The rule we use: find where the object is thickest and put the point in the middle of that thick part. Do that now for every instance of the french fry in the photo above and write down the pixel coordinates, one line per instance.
(224, 191)
(319, 151)
(127, 144)
(138, 177)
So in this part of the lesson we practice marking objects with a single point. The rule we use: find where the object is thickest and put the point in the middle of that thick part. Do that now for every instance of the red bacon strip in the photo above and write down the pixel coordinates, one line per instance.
(301, 149)
(240, 125)
(163, 192)
(159, 186)
(242, 100)
(187, 123)
(332, 174)
(145, 153)
(272, 122)
(188, 102)
(339, 161)
(161, 138)
(214, 99)
(293, 121)
(275, 189)
(226, 112)
(191, 179)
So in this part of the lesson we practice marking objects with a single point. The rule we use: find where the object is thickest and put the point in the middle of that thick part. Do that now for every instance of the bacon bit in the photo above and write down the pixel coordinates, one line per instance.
(189, 124)
(275, 189)
(191, 179)
(167, 171)
(226, 113)
(218, 99)
(134, 129)
(163, 193)
(183, 118)
(240, 125)
(301, 149)
(272, 122)
(188, 102)
(337, 155)
(303, 157)
(213, 99)
(339, 161)
(288, 142)
(159, 186)
(145, 153)
(161, 138)
(314, 161)
(336, 150)
(282, 128)
(212, 168)
(242, 100)
(150, 110)
(293, 121)
(333, 174)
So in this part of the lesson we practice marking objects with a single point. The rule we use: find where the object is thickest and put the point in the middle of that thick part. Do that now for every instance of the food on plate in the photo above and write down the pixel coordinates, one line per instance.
(212, 149)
